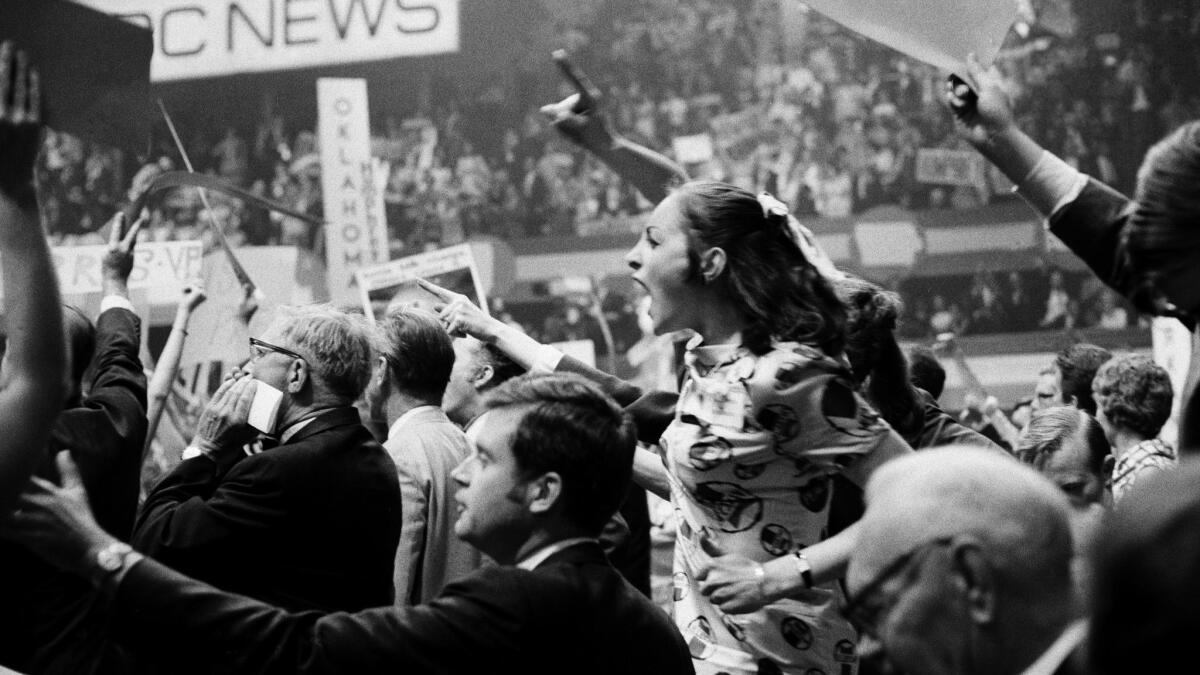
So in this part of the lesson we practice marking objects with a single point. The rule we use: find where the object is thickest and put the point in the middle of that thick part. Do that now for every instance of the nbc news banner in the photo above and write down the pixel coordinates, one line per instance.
(209, 38)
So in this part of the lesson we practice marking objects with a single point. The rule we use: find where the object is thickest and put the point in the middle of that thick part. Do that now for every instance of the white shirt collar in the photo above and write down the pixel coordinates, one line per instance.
(531, 561)
(294, 429)
(408, 414)
(1058, 652)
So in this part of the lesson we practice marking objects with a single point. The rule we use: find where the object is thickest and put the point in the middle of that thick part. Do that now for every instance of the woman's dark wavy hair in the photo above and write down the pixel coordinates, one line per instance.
(780, 293)
(1163, 236)
(875, 357)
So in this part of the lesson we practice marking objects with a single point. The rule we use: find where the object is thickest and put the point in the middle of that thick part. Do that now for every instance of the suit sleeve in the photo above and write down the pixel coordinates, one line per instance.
(1092, 227)
(652, 411)
(116, 402)
(164, 614)
(107, 432)
(198, 514)
(414, 495)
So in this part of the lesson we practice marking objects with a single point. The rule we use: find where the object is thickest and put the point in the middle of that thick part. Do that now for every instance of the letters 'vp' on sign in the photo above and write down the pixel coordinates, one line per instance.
(206, 38)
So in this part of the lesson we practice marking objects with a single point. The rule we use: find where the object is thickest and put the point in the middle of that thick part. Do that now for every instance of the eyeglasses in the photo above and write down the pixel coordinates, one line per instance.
(259, 349)
(864, 610)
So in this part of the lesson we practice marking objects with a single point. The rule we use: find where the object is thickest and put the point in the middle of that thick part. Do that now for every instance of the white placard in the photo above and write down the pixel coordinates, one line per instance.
(162, 268)
(215, 332)
(355, 231)
(207, 38)
(383, 286)
(942, 166)
(939, 32)
(1173, 351)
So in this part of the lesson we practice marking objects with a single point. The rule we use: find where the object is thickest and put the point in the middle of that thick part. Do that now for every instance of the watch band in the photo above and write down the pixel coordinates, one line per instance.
(803, 568)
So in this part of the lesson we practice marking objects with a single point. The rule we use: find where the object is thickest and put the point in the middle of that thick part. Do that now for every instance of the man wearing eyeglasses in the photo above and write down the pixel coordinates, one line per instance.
(964, 566)
(311, 522)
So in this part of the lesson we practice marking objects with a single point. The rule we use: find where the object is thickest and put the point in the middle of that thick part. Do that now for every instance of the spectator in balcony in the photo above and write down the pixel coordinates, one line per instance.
(1018, 305)
(1058, 314)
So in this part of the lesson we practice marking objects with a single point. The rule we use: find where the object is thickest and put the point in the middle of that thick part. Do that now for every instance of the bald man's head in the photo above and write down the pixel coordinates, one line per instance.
(983, 546)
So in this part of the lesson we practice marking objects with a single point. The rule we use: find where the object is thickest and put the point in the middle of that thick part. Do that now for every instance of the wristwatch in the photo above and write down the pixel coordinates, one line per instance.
(111, 560)
(803, 568)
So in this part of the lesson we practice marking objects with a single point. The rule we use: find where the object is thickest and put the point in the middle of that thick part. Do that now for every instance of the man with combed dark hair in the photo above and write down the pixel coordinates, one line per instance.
(410, 379)
(1074, 368)
(551, 458)
(310, 524)
(1134, 398)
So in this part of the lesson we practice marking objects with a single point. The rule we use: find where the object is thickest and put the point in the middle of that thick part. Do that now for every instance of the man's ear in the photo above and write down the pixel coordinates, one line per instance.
(712, 264)
(483, 377)
(543, 492)
(974, 577)
(381, 371)
(297, 376)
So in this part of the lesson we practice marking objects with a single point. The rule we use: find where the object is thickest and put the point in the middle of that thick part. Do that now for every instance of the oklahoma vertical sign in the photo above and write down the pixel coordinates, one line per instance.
(208, 38)
(355, 231)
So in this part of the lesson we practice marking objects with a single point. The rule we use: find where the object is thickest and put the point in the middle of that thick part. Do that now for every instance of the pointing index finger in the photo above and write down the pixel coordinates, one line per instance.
(438, 292)
(588, 93)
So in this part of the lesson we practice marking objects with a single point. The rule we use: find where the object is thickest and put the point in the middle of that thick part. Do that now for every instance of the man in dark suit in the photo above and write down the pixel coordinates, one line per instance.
(310, 524)
(550, 460)
(1097, 222)
(103, 426)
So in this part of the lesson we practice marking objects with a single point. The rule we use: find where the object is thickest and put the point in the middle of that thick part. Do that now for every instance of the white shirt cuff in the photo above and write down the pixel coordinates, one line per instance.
(547, 360)
(113, 301)
(1051, 185)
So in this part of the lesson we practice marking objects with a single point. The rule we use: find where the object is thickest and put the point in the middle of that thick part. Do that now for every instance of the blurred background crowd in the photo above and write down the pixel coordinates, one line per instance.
(755, 92)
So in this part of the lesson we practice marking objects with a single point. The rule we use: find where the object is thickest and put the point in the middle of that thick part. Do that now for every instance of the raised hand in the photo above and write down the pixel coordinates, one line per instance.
(192, 297)
(118, 259)
(460, 316)
(981, 109)
(248, 306)
(56, 522)
(20, 125)
(579, 116)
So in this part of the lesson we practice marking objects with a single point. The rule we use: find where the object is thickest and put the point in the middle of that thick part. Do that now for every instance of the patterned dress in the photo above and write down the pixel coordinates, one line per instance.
(750, 455)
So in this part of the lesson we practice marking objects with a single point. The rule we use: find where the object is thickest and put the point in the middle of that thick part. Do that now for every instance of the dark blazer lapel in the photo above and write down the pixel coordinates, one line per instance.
(337, 417)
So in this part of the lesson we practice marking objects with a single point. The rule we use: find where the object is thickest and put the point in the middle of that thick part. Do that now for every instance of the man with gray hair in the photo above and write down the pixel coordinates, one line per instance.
(310, 524)
(964, 566)
(413, 368)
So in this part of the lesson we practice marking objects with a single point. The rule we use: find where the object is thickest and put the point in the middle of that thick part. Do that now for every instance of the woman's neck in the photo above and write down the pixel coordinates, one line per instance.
(720, 323)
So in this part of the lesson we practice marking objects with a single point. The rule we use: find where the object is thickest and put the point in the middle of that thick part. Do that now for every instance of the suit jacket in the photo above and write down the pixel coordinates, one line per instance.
(310, 524)
(572, 614)
(426, 446)
(43, 619)
(1092, 226)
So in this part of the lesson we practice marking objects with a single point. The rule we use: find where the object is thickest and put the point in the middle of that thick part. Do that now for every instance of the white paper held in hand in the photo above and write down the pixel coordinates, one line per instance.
(264, 409)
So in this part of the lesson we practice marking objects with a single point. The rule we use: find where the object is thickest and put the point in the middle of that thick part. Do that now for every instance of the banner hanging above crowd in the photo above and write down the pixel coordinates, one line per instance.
(209, 38)
(938, 32)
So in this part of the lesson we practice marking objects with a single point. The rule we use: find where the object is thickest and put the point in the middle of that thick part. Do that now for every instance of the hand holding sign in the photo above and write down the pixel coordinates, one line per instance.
(460, 316)
(20, 125)
(980, 112)
(578, 116)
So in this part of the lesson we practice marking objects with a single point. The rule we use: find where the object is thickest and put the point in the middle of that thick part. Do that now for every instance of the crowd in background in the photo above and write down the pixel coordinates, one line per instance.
(788, 101)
